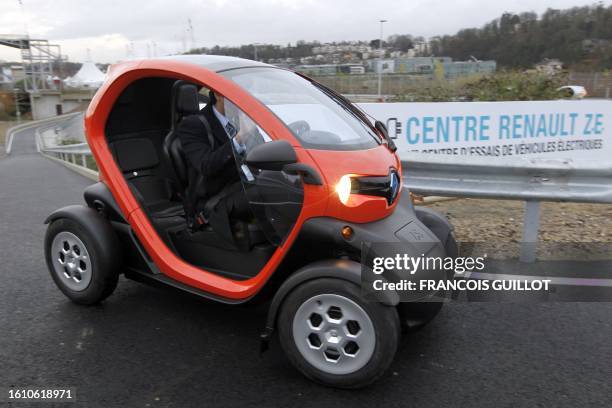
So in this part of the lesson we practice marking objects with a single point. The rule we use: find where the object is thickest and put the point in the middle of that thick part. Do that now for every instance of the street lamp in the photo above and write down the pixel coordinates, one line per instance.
(380, 59)
(255, 50)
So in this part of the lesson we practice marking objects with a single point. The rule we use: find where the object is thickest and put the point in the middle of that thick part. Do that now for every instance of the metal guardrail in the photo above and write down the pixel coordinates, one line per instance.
(10, 133)
(77, 157)
(537, 179)
(76, 154)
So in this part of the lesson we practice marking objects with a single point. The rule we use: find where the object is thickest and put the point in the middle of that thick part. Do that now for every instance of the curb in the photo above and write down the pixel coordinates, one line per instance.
(83, 171)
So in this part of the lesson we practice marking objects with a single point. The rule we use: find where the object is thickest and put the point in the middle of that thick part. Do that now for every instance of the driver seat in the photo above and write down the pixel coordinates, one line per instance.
(184, 102)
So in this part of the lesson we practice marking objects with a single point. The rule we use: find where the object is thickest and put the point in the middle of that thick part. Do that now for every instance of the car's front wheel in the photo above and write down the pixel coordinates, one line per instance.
(334, 337)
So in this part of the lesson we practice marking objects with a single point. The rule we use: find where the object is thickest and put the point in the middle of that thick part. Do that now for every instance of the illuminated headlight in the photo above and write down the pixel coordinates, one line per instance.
(343, 188)
(381, 186)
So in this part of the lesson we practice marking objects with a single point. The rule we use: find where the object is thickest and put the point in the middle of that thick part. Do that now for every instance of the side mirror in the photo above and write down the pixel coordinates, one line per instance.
(385, 132)
(272, 155)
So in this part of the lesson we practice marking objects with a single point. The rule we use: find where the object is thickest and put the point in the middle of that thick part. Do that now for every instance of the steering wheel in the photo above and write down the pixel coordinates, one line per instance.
(299, 127)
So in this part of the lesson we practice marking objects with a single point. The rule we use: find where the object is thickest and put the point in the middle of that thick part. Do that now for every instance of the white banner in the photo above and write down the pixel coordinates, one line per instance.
(578, 131)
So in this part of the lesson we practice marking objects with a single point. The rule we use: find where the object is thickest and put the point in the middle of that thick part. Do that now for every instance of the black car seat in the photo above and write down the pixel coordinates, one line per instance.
(185, 102)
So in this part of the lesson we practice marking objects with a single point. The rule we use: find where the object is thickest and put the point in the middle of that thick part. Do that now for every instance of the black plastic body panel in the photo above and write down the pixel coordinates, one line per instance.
(99, 197)
(96, 225)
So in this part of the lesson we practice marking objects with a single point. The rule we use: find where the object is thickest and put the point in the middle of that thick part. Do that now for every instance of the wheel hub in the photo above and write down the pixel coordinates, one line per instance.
(334, 334)
(71, 261)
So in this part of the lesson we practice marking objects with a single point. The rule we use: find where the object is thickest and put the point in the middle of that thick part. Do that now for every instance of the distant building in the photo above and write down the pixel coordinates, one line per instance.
(321, 69)
(443, 67)
(549, 66)
(336, 48)
(356, 69)
(6, 78)
(418, 65)
(10, 76)
(331, 69)
(456, 69)
(384, 66)
(421, 48)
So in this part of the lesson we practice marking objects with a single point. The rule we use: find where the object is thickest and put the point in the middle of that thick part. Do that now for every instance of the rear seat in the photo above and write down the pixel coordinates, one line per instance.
(138, 159)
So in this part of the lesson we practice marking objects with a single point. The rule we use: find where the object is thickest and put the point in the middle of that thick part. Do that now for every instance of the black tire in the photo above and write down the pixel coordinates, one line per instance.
(384, 319)
(104, 270)
(416, 315)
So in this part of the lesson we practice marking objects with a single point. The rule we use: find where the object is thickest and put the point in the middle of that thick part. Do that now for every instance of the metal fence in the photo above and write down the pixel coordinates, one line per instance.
(367, 84)
(597, 84)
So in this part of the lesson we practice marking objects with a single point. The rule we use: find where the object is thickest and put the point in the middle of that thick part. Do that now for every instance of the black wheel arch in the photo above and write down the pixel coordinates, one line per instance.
(343, 269)
(95, 224)
(436, 222)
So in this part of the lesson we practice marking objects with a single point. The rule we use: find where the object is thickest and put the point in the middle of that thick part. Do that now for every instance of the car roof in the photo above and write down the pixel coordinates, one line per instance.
(217, 63)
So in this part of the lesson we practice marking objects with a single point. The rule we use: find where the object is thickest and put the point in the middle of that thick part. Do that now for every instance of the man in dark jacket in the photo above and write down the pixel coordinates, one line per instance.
(214, 183)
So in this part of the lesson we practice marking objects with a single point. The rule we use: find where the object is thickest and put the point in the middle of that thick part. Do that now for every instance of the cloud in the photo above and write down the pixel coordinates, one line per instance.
(109, 27)
(105, 47)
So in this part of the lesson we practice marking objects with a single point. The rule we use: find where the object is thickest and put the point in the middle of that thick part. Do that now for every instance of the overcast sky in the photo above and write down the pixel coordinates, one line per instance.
(107, 28)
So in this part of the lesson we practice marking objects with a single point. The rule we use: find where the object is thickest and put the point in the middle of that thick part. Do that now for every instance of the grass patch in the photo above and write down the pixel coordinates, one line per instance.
(4, 126)
(69, 141)
(91, 163)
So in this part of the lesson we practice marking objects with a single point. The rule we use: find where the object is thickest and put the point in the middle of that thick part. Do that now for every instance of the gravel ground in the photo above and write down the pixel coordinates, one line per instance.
(564, 227)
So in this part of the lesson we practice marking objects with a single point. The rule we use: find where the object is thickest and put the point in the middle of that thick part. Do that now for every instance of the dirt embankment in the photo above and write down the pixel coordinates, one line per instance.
(568, 228)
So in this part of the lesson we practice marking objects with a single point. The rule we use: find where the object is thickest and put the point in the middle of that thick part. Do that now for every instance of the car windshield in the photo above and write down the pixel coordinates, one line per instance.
(317, 119)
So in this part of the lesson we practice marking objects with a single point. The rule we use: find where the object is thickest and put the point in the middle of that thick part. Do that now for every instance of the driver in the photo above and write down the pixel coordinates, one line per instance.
(214, 186)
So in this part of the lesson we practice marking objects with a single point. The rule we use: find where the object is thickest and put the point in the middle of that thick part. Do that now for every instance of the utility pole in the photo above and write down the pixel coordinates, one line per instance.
(191, 33)
(16, 92)
(380, 60)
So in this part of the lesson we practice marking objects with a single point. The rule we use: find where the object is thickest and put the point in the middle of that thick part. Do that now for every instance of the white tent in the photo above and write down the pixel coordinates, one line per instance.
(89, 76)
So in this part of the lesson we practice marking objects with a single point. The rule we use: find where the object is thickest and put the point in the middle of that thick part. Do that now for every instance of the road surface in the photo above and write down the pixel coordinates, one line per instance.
(147, 347)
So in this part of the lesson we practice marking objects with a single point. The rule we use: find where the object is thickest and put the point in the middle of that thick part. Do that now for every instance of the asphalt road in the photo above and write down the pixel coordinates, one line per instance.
(152, 347)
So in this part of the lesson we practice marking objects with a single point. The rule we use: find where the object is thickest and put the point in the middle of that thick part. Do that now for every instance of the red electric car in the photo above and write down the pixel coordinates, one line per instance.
(322, 180)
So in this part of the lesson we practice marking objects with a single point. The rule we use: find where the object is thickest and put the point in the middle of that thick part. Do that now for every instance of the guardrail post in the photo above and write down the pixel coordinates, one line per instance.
(531, 227)
(83, 160)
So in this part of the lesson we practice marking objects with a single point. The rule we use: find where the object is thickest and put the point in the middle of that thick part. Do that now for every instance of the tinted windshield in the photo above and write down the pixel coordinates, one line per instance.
(319, 121)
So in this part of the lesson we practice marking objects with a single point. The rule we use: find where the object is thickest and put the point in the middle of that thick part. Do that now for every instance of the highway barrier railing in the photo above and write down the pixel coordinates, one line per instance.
(10, 133)
(77, 156)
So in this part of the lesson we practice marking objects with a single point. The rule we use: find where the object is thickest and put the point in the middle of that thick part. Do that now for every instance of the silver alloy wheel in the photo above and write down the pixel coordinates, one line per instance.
(334, 334)
(71, 261)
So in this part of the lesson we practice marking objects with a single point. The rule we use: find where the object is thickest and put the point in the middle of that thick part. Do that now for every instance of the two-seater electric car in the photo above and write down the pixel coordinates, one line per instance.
(321, 180)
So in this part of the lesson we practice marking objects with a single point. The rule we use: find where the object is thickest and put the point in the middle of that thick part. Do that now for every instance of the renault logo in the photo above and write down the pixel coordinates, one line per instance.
(394, 186)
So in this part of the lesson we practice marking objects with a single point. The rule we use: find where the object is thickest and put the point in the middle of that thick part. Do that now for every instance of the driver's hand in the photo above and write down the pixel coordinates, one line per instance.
(246, 127)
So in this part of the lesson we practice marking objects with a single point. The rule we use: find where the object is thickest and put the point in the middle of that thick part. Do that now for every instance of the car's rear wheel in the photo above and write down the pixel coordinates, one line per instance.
(334, 337)
(74, 260)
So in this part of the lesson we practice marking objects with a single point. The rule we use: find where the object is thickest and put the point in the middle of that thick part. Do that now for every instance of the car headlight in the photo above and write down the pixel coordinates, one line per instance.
(343, 188)
(381, 186)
